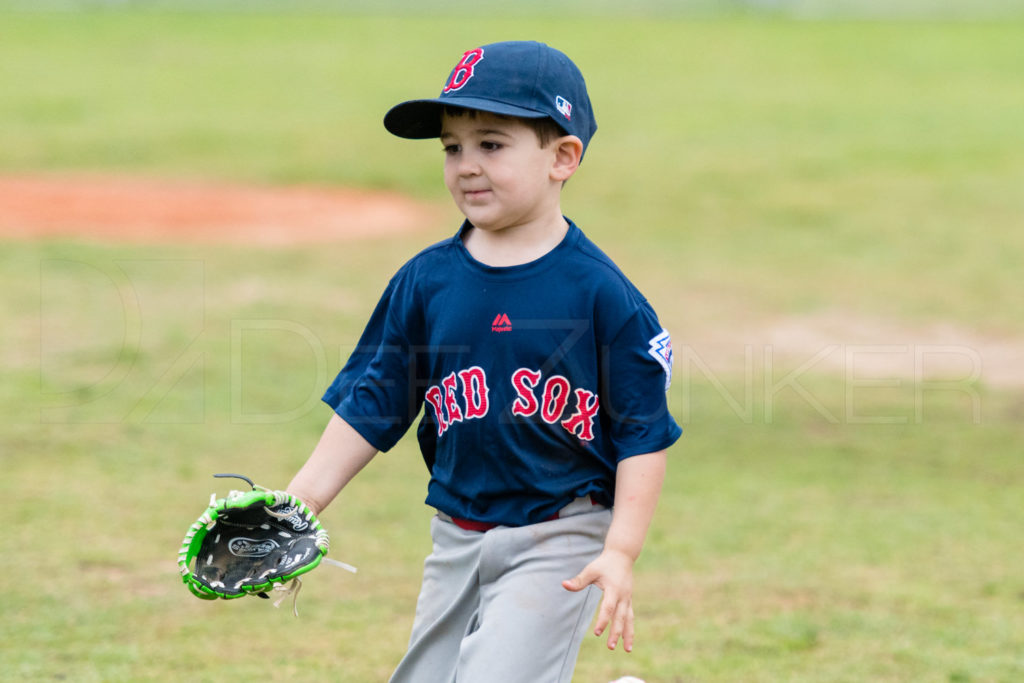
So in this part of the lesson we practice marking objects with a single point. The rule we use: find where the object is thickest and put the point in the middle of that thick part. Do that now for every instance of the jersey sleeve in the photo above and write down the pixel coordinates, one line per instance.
(636, 375)
(376, 392)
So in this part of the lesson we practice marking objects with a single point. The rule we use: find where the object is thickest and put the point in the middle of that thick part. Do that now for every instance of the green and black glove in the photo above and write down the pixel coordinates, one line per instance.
(250, 543)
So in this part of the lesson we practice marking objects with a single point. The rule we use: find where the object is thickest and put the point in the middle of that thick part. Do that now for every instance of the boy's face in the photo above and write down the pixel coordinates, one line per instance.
(497, 172)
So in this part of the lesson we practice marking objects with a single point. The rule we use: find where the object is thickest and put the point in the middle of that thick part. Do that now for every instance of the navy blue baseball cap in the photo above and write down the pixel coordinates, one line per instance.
(526, 79)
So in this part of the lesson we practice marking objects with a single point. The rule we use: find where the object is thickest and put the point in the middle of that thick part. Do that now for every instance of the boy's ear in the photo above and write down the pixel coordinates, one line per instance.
(568, 153)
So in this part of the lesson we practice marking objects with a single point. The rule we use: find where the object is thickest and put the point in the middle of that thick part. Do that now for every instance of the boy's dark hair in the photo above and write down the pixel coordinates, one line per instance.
(545, 129)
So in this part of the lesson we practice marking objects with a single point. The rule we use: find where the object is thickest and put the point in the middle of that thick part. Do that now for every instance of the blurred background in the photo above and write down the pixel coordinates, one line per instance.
(199, 208)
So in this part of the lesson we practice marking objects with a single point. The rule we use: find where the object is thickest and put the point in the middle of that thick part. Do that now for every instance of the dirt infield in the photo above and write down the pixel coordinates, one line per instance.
(133, 209)
(140, 210)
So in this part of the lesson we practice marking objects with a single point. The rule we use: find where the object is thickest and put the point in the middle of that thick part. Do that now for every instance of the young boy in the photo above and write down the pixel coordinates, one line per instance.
(542, 373)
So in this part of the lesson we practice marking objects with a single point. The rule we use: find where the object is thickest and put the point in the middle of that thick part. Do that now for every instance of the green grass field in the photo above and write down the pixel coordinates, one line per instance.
(816, 525)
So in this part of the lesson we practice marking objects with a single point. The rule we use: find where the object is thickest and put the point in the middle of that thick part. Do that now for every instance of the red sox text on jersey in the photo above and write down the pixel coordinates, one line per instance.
(551, 400)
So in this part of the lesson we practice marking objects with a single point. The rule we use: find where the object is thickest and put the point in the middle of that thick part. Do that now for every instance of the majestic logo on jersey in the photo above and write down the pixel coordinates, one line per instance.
(661, 350)
(564, 107)
(464, 70)
(501, 323)
(556, 402)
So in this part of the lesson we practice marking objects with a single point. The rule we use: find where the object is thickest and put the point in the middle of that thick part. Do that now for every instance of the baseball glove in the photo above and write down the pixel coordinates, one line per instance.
(250, 543)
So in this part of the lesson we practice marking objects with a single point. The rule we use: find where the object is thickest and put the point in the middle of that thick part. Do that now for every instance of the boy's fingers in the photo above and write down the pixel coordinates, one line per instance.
(627, 635)
(619, 624)
(573, 584)
(579, 582)
(606, 613)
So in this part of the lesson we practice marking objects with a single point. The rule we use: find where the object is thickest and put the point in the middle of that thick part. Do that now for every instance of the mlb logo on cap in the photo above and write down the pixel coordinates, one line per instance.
(564, 107)
(525, 79)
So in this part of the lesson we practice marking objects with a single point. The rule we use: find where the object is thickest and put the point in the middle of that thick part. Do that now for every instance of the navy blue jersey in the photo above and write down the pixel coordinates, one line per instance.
(534, 380)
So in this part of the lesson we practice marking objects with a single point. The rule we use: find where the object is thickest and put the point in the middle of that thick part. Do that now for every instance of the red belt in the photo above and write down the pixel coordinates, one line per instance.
(472, 525)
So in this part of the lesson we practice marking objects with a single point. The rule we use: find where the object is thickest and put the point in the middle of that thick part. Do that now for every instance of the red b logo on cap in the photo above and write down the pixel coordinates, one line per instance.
(464, 70)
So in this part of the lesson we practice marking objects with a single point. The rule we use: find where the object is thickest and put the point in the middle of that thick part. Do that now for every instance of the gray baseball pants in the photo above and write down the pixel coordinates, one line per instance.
(492, 608)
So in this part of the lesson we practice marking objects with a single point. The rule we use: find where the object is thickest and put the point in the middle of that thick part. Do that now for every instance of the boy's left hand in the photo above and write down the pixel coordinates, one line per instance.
(612, 572)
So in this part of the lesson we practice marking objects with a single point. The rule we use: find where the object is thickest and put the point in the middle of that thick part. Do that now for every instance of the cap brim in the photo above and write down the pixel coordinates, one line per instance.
(421, 119)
